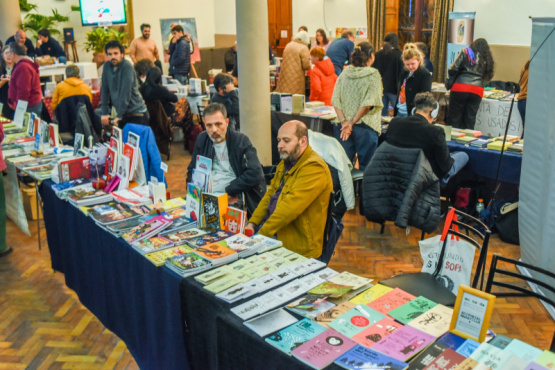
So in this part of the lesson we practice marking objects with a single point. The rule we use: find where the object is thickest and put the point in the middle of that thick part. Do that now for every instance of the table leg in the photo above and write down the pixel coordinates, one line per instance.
(37, 195)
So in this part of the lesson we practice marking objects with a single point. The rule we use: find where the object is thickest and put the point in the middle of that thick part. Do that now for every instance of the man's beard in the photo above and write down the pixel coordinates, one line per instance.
(146, 37)
(293, 156)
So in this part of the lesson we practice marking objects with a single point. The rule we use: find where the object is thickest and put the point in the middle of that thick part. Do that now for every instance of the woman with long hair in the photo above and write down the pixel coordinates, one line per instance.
(6, 67)
(388, 62)
(357, 99)
(152, 89)
(414, 79)
(321, 39)
(471, 71)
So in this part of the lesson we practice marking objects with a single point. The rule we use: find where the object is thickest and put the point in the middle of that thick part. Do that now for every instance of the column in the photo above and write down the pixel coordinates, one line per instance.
(254, 79)
(10, 19)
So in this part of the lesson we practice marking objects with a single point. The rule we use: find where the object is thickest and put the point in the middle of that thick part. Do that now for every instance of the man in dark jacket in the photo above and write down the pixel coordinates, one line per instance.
(227, 95)
(340, 51)
(236, 169)
(46, 45)
(180, 57)
(416, 131)
(24, 81)
(21, 38)
(119, 89)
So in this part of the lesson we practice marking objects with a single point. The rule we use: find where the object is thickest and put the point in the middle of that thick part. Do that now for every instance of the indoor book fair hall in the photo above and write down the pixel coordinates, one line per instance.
(280, 184)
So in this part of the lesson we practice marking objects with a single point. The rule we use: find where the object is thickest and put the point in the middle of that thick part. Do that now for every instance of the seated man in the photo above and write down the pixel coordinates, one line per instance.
(71, 86)
(21, 38)
(296, 203)
(228, 96)
(47, 46)
(416, 131)
(236, 169)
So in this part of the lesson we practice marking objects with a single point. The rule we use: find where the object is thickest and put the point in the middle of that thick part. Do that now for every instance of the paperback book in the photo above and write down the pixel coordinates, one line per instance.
(435, 321)
(187, 264)
(356, 320)
(293, 336)
(111, 212)
(216, 253)
(349, 279)
(411, 310)
(179, 237)
(310, 305)
(425, 357)
(325, 318)
(208, 238)
(243, 245)
(147, 229)
(270, 322)
(404, 343)
(371, 294)
(152, 244)
(391, 300)
(159, 258)
(214, 208)
(373, 334)
(447, 360)
(323, 349)
(269, 243)
(360, 357)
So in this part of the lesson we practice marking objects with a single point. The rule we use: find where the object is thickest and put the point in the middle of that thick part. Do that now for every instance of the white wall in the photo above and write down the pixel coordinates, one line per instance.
(339, 13)
(505, 22)
(224, 17)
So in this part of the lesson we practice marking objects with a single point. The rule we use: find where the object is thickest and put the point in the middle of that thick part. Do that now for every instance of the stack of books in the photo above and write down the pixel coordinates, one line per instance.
(480, 143)
(88, 196)
(516, 148)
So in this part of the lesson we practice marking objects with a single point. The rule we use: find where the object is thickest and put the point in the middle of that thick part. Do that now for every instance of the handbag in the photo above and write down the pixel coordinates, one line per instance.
(457, 260)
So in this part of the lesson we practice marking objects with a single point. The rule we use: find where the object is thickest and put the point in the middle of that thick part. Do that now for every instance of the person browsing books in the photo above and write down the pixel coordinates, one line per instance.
(416, 131)
(236, 169)
(296, 204)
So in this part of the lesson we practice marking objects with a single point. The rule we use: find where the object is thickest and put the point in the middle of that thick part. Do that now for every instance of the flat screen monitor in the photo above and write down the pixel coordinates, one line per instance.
(102, 12)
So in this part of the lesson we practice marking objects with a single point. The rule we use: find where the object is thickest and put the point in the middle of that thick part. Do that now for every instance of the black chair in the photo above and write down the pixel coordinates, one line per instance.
(428, 285)
(332, 232)
(497, 277)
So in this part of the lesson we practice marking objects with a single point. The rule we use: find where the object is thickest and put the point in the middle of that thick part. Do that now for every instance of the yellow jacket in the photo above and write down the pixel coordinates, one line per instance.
(69, 87)
(301, 210)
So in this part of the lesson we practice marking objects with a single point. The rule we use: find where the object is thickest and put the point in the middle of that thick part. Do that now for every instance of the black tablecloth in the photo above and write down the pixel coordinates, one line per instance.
(484, 162)
(315, 124)
(136, 300)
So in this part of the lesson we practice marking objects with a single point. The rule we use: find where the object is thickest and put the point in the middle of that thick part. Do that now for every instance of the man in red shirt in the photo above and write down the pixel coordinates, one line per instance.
(25, 81)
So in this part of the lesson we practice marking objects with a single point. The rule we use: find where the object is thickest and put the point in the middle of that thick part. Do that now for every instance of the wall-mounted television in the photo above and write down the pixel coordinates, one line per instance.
(102, 12)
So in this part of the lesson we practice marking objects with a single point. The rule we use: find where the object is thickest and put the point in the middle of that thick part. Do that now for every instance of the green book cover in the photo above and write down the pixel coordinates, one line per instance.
(411, 310)
(331, 289)
(356, 320)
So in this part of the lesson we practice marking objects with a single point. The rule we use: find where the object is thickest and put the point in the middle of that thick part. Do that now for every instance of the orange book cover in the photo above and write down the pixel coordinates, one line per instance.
(214, 251)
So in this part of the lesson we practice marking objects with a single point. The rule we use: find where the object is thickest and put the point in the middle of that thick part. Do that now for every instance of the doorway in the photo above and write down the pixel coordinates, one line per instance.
(280, 24)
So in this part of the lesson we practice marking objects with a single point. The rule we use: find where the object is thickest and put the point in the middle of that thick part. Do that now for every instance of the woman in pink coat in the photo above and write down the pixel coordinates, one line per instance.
(322, 76)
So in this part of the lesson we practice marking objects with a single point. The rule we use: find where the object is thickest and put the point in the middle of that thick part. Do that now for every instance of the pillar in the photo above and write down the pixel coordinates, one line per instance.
(254, 78)
(10, 19)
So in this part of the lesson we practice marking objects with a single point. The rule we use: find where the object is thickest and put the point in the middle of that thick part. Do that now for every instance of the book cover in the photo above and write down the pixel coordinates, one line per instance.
(230, 280)
(373, 334)
(451, 340)
(187, 263)
(435, 321)
(215, 252)
(123, 173)
(517, 363)
(205, 239)
(74, 168)
(270, 322)
(111, 212)
(193, 202)
(331, 289)
(468, 347)
(490, 356)
(146, 229)
(500, 341)
(117, 135)
(310, 305)
(53, 135)
(447, 360)
(214, 208)
(130, 152)
(242, 244)
(180, 237)
(391, 300)
(356, 320)
(426, 357)
(325, 318)
(471, 364)
(371, 294)
(412, 309)
(235, 220)
(159, 258)
(546, 359)
(111, 161)
(534, 366)
(156, 243)
(404, 343)
(360, 357)
(214, 274)
(125, 225)
(321, 350)
(269, 243)
(523, 350)
(85, 193)
(293, 336)
(349, 279)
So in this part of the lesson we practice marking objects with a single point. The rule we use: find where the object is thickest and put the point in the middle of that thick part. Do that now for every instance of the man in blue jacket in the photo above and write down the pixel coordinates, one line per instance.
(340, 50)
(46, 45)
(180, 56)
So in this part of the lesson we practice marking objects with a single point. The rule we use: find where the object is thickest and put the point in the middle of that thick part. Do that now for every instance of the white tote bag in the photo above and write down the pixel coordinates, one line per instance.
(457, 260)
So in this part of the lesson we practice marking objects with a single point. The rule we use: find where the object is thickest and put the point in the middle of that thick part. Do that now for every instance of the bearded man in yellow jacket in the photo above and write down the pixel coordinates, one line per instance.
(295, 205)
(72, 85)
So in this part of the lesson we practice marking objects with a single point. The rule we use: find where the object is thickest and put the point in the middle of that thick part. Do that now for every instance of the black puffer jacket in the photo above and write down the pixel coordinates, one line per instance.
(399, 185)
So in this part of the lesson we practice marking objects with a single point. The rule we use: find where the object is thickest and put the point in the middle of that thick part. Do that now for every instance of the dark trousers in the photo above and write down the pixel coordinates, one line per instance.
(463, 108)
(521, 104)
(139, 120)
(363, 142)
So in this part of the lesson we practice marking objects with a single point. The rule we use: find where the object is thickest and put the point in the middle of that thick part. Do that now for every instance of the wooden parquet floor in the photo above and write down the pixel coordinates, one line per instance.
(44, 326)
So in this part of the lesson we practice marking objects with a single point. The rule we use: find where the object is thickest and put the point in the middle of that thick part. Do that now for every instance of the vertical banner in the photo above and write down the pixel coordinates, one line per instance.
(461, 34)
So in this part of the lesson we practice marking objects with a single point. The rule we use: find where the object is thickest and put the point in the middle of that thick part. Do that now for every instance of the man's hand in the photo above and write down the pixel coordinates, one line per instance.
(39, 43)
(251, 226)
(105, 120)
(232, 199)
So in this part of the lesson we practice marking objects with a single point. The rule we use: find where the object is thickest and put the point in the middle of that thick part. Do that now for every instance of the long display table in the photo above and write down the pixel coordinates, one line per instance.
(136, 300)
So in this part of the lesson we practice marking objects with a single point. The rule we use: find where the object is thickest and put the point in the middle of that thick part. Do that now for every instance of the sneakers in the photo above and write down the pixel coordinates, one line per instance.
(6, 251)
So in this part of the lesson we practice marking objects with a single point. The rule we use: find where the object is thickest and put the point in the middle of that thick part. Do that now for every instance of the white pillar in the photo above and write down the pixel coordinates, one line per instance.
(10, 19)
(254, 78)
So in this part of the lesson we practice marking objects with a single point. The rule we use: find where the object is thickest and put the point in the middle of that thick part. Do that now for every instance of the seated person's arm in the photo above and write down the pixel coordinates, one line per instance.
(55, 99)
(441, 154)
(260, 211)
(252, 175)
(168, 96)
(309, 184)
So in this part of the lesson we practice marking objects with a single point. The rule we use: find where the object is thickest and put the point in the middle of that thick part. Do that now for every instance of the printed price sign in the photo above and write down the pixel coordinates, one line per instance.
(472, 313)
(164, 167)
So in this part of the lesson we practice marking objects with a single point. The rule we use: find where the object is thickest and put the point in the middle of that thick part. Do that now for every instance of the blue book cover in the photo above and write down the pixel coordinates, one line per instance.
(500, 341)
(451, 340)
(468, 347)
(293, 336)
(361, 357)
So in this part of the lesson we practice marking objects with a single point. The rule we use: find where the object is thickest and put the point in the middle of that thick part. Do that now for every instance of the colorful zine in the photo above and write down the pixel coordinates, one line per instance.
(391, 300)
(411, 310)
(356, 320)
(435, 321)
(147, 229)
(235, 220)
(293, 336)
(363, 358)
(371, 294)
(214, 208)
(373, 334)
(206, 239)
(159, 258)
(404, 343)
(217, 253)
(180, 237)
(192, 206)
(153, 244)
(323, 349)
(187, 264)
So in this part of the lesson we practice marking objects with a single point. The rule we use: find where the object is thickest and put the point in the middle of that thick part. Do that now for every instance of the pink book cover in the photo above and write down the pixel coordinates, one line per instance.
(321, 350)
(404, 343)
(372, 335)
(391, 300)
(449, 359)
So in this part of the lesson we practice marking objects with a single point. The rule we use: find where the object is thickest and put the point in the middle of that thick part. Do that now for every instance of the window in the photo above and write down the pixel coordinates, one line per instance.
(416, 21)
